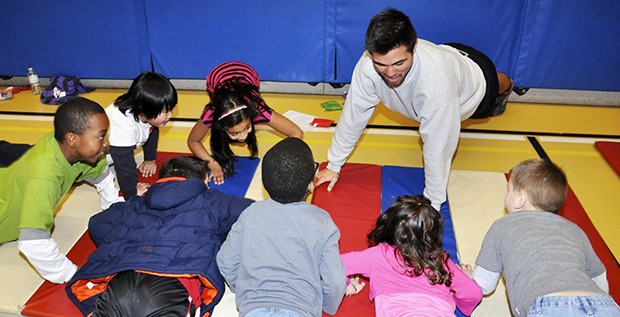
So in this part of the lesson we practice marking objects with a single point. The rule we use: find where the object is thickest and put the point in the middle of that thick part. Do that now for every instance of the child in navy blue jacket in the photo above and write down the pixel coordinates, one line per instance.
(157, 253)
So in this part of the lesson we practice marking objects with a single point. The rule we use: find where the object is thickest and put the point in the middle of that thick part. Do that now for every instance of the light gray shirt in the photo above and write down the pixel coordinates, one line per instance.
(284, 255)
(442, 89)
(539, 253)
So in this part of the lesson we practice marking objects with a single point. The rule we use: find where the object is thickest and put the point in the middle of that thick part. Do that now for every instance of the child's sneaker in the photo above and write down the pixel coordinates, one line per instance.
(502, 100)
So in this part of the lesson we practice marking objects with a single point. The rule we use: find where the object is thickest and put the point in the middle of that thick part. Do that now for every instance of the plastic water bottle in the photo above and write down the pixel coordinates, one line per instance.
(33, 78)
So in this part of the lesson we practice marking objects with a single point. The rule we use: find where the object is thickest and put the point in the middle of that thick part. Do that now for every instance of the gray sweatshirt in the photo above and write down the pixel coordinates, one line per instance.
(442, 89)
(284, 255)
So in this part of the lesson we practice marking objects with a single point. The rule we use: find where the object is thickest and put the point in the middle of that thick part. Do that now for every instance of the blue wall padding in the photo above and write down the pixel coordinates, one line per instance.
(566, 44)
(436, 21)
(398, 181)
(91, 39)
(283, 40)
(570, 44)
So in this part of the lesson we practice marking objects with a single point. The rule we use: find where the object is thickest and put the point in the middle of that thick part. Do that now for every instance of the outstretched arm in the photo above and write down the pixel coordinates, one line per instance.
(285, 126)
(149, 166)
(106, 187)
(45, 256)
(326, 176)
(194, 142)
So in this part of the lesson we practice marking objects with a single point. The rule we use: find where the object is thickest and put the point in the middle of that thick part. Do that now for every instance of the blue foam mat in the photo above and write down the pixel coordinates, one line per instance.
(397, 181)
(239, 183)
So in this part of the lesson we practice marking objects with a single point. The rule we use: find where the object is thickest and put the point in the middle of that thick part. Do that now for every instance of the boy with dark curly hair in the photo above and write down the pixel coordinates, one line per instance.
(281, 257)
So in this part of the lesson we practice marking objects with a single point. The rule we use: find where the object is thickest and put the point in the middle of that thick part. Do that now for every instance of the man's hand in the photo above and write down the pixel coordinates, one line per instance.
(147, 168)
(325, 176)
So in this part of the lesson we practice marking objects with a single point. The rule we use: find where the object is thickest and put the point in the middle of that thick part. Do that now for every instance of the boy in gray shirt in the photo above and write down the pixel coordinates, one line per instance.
(547, 261)
(281, 257)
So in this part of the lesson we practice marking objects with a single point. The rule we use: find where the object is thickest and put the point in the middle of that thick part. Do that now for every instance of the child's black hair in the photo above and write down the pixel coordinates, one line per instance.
(73, 116)
(150, 94)
(184, 166)
(226, 97)
(287, 170)
(415, 228)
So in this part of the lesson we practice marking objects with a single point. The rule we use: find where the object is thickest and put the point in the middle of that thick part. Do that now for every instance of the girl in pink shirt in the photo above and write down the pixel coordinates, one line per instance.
(410, 273)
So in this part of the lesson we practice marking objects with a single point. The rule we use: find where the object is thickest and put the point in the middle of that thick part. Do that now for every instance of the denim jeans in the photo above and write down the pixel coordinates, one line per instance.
(573, 306)
(271, 312)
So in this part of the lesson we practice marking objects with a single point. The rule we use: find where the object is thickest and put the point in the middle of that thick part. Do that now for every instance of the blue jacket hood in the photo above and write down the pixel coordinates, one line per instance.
(173, 193)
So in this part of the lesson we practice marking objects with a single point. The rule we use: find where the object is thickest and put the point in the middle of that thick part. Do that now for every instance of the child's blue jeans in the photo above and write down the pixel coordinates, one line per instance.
(574, 306)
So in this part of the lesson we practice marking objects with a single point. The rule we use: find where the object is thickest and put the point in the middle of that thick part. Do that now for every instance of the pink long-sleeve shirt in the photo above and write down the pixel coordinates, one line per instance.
(390, 286)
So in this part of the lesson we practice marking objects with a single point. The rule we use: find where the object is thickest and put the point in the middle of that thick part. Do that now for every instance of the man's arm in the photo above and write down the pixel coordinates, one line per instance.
(45, 256)
(358, 108)
(439, 131)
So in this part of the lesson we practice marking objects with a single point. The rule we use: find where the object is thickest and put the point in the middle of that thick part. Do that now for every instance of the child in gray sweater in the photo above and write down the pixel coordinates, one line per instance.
(281, 257)
(547, 261)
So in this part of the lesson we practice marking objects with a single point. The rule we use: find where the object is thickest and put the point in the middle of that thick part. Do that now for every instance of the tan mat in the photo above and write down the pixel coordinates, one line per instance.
(476, 201)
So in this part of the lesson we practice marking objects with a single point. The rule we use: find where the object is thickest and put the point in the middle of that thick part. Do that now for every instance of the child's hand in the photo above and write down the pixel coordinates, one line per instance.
(147, 168)
(467, 269)
(217, 174)
(142, 188)
(355, 286)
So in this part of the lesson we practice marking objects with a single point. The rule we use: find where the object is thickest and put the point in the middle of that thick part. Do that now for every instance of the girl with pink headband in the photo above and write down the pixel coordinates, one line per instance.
(235, 107)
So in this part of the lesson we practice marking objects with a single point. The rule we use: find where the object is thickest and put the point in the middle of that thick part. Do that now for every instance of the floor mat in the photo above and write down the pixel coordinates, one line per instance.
(574, 212)
(362, 192)
(611, 153)
(354, 204)
(51, 299)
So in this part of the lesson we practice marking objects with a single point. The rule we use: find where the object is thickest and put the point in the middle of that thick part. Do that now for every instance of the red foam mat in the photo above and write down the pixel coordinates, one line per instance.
(50, 299)
(354, 204)
(611, 153)
(574, 212)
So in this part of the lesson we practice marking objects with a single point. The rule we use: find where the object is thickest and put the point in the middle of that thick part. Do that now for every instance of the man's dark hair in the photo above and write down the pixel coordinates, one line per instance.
(184, 166)
(73, 116)
(389, 29)
(288, 169)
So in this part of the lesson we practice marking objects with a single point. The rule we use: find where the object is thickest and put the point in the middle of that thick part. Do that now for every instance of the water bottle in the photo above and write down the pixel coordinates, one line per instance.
(34, 81)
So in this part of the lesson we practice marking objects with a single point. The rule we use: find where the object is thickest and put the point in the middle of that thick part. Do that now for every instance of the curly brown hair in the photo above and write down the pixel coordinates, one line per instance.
(415, 228)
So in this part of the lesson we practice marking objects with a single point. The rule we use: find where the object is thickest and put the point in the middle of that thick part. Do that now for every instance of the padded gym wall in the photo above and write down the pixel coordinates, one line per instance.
(283, 40)
(91, 39)
(566, 44)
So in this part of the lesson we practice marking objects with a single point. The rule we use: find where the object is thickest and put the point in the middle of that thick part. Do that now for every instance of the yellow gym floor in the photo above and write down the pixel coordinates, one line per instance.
(566, 133)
